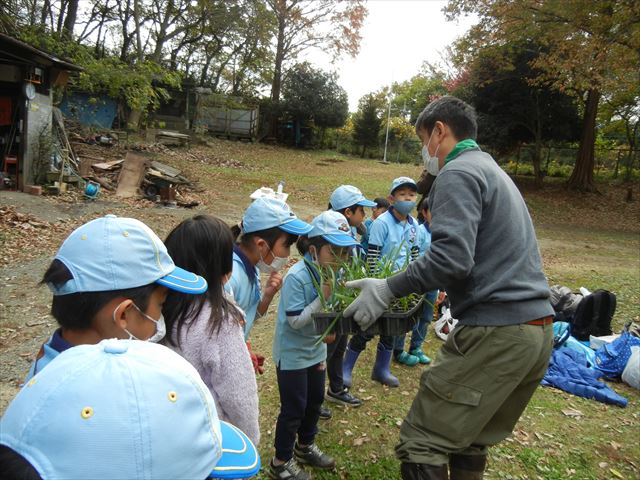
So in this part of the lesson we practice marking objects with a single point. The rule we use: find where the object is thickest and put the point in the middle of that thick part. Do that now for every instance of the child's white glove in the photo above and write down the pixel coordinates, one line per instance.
(374, 299)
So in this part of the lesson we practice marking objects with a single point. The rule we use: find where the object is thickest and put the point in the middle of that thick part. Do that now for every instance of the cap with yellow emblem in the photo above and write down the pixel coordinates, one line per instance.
(124, 409)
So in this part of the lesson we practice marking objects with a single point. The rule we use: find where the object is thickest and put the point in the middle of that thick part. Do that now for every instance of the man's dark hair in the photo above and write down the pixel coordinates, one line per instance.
(76, 311)
(453, 112)
(15, 467)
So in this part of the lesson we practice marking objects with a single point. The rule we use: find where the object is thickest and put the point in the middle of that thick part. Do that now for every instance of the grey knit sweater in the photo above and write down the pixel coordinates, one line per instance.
(484, 251)
(225, 366)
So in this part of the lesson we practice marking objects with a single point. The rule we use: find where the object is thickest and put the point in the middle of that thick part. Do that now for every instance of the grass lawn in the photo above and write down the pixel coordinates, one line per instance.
(586, 240)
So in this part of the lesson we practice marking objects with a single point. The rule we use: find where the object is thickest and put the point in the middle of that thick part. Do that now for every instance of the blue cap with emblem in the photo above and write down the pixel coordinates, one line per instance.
(347, 196)
(403, 182)
(334, 228)
(266, 212)
(124, 409)
(116, 253)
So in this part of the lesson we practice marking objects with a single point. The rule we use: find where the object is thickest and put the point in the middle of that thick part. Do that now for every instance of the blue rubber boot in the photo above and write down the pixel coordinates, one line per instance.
(350, 358)
(381, 369)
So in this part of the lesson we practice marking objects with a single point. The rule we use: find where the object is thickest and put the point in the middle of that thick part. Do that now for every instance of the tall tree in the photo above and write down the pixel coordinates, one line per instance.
(591, 49)
(512, 109)
(311, 94)
(414, 94)
(367, 121)
(302, 24)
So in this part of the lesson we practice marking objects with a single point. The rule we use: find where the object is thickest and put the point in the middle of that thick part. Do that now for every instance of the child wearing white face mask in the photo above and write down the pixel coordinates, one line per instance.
(109, 279)
(297, 352)
(263, 244)
(208, 329)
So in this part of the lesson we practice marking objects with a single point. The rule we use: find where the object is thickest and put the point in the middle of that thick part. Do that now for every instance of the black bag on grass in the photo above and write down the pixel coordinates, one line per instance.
(593, 315)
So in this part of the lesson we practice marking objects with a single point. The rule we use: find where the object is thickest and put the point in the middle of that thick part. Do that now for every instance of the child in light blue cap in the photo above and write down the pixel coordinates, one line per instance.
(299, 357)
(393, 237)
(263, 244)
(109, 279)
(419, 331)
(120, 409)
(350, 202)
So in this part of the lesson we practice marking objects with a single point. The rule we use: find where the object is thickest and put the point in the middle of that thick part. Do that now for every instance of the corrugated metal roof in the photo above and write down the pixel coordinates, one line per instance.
(12, 49)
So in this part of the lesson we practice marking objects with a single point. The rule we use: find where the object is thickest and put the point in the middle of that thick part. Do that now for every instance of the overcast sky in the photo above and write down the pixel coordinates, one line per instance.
(397, 36)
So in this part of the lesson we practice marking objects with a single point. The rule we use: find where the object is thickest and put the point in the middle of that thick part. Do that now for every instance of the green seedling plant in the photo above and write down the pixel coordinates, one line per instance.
(356, 268)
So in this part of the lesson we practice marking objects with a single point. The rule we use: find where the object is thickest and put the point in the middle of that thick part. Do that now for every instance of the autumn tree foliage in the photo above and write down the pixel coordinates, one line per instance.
(590, 50)
(243, 47)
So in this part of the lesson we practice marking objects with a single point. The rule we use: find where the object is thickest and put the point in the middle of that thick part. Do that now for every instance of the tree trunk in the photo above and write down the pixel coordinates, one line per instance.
(537, 153)
(277, 77)
(63, 9)
(46, 12)
(582, 176)
(134, 119)
(70, 20)
(364, 147)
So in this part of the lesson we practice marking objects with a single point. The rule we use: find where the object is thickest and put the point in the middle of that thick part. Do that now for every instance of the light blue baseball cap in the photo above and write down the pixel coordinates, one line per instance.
(265, 213)
(334, 228)
(123, 409)
(402, 182)
(346, 196)
(117, 253)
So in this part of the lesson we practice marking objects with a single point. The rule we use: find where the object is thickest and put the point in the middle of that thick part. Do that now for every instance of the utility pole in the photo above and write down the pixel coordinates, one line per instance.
(386, 140)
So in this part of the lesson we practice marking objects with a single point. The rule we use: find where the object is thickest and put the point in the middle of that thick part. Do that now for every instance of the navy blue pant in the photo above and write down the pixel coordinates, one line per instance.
(335, 357)
(359, 341)
(301, 396)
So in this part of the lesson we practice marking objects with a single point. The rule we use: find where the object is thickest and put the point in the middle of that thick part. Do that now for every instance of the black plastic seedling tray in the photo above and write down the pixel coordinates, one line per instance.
(390, 323)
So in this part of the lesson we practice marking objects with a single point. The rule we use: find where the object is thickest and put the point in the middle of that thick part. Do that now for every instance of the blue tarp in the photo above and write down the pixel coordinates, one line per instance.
(568, 371)
(90, 110)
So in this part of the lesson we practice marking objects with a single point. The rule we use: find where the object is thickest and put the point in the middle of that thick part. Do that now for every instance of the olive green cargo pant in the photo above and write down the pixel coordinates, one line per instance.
(474, 393)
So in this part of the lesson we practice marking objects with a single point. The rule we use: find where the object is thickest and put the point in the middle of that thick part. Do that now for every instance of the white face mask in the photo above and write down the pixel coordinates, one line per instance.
(276, 264)
(431, 163)
(161, 327)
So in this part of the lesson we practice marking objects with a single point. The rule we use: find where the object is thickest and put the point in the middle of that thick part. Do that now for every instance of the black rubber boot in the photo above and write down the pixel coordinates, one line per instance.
(467, 467)
(422, 471)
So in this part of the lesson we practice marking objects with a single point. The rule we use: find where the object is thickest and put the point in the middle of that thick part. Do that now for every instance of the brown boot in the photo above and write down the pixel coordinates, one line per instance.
(422, 471)
(467, 467)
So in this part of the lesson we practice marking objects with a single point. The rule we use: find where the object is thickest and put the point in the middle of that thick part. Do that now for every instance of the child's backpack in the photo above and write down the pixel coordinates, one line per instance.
(593, 315)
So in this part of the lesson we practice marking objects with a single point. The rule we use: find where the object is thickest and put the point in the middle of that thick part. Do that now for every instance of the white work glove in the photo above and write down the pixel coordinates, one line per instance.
(374, 299)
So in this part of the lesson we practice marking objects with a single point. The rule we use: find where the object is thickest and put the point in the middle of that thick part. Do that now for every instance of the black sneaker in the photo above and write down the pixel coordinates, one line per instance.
(287, 471)
(325, 413)
(343, 397)
(311, 455)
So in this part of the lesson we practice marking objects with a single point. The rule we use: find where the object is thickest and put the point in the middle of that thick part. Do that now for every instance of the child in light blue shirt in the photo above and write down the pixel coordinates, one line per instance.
(350, 202)
(394, 237)
(297, 352)
(419, 331)
(264, 239)
(382, 205)
(109, 279)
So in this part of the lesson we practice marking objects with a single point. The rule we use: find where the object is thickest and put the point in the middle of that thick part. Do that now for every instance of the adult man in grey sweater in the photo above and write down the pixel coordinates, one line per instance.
(484, 253)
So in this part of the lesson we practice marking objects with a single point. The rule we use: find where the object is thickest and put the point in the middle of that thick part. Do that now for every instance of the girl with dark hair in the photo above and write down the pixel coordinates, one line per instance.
(207, 329)
(297, 353)
(264, 239)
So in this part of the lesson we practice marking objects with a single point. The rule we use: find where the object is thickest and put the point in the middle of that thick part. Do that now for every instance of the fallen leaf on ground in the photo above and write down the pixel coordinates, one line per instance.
(572, 412)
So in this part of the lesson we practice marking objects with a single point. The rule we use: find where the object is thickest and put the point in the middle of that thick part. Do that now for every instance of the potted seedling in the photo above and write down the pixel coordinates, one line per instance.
(400, 318)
